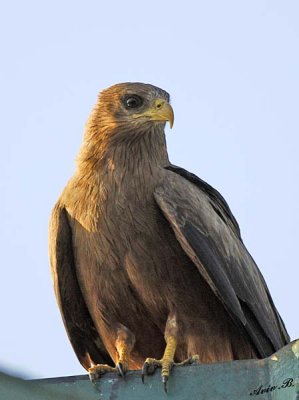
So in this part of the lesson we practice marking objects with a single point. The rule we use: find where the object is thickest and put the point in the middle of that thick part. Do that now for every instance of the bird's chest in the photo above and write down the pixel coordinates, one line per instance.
(128, 213)
(120, 215)
(127, 249)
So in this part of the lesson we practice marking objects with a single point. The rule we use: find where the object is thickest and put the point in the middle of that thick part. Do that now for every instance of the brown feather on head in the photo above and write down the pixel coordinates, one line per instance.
(132, 103)
(121, 111)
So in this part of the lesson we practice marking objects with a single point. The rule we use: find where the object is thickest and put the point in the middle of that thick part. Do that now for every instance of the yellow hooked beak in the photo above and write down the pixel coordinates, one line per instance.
(161, 110)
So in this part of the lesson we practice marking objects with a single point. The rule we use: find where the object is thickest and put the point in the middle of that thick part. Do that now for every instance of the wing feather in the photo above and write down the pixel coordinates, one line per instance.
(210, 235)
(80, 328)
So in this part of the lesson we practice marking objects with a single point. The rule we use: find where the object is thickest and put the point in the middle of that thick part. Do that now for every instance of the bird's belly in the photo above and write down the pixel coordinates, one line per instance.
(166, 281)
(141, 279)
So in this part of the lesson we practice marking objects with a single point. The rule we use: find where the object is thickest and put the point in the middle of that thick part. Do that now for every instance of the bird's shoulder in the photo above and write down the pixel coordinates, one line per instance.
(208, 192)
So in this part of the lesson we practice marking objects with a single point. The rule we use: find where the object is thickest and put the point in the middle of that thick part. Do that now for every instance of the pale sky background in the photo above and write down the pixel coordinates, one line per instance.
(232, 70)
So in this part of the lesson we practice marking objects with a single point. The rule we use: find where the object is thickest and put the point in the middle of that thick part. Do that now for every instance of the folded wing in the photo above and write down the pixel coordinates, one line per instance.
(82, 333)
(210, 236)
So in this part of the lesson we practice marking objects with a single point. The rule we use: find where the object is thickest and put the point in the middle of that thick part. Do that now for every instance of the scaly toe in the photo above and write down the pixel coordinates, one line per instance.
(151, 364)
(98, 370)
(191, 360)
(149, 367)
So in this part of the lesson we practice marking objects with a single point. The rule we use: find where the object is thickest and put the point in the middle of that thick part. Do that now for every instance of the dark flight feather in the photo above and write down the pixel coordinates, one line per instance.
(213, 243)
(80, 328)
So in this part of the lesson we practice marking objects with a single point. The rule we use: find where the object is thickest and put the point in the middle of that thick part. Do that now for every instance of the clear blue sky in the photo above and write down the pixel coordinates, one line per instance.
(232, 70)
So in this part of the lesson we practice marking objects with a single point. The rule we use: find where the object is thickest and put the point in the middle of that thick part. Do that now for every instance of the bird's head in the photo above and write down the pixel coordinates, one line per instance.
(134, 105)
(129, 117)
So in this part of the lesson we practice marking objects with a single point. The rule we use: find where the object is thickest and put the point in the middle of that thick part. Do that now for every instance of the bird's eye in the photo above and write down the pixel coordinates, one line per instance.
(133, 101)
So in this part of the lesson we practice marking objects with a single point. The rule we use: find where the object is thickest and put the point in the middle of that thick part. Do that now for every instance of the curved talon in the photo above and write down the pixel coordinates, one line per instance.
(120, 369)
(92, 378)
(144, 371)
(165, 380)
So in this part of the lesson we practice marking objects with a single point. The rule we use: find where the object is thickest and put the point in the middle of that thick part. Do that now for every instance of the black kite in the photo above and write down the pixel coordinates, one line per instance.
(145, 253)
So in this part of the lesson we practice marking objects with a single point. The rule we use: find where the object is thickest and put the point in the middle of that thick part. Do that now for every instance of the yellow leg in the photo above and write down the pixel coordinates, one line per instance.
(124, 344)
(167, 361)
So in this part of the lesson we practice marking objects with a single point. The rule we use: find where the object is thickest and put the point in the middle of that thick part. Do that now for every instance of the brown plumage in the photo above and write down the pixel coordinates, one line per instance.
(141, 249)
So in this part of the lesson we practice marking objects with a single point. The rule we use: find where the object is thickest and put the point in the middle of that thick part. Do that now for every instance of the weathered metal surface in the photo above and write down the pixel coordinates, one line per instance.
(17, 389)
(276, 377)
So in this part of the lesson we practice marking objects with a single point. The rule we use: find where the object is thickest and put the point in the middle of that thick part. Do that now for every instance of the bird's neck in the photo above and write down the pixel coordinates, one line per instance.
(115, 169)
(124, 152)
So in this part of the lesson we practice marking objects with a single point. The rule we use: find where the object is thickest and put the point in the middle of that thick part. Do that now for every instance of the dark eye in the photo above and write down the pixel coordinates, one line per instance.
(133, 101)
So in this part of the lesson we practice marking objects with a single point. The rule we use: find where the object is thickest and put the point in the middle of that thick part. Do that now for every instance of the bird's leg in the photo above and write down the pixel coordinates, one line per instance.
(124, 344)
(167, 361)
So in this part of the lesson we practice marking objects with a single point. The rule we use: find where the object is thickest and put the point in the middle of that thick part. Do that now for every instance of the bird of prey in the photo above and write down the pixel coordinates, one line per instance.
(148, 264)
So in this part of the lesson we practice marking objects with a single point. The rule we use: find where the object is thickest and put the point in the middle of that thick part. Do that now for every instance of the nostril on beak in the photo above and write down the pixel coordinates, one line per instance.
(159, 105)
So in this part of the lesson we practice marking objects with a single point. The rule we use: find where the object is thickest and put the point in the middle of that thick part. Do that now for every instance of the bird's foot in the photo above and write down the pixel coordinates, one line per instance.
(166, 364)
(167, 361)
(124, 344)
(98, 370)
(151, 364)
